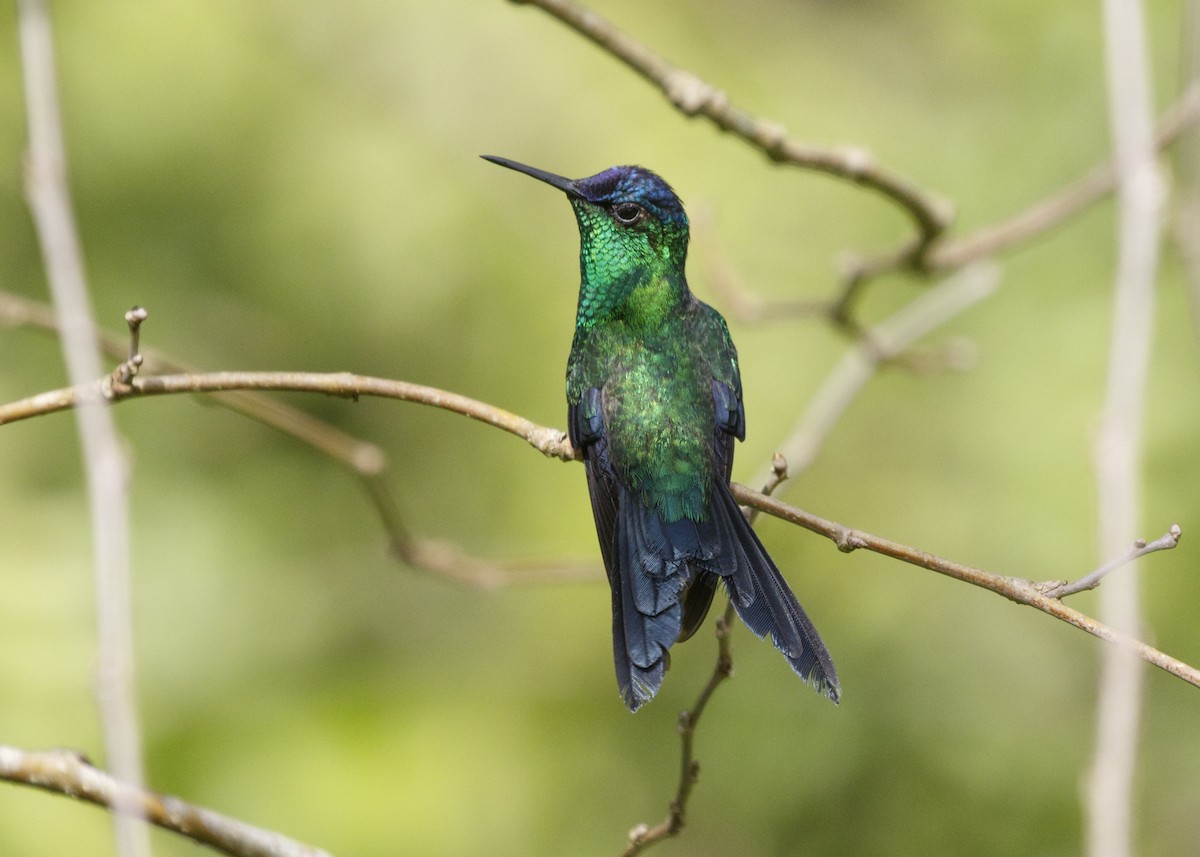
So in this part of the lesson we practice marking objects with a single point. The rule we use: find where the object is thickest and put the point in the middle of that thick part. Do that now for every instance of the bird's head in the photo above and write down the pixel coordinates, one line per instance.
(630, 221)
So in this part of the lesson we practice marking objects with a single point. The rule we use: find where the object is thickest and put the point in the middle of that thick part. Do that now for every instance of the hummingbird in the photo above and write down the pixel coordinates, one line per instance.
(654, 405)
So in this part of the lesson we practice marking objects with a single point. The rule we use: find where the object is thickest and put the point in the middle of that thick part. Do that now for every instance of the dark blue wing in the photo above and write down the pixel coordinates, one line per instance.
(638, 557)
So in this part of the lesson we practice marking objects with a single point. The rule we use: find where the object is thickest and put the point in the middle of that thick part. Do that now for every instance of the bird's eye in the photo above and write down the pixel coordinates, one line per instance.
(628, 213)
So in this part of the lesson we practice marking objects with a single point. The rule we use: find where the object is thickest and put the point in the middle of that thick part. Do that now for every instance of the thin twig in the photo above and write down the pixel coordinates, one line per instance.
(643, 836)
(67, 773)
(1140, 549)
(105, 466)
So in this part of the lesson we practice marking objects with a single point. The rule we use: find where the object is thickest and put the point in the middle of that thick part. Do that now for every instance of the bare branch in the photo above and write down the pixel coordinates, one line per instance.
(692, 96)
(1118, 454)
(862, 360)
(105, 466)
(1016, 589)
(554, 444)
(364, 459)
(448, 560)
(67, 773)
(1052, 211)
(931, 250)
(643, 836)
(125, 371)
(1061, 589)
(550, 442)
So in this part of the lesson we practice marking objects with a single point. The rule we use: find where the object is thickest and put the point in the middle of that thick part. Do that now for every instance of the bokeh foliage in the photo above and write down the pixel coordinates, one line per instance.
(295, 186)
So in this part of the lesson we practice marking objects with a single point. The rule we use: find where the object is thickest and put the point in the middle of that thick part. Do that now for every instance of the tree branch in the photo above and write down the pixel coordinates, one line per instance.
(1020, 590)
(105, 467)
(70, 774)
(364, 459)
(554, 444)
(931, 250)
(550, 442)
(643, 836)
(693, 96)
(883, 342)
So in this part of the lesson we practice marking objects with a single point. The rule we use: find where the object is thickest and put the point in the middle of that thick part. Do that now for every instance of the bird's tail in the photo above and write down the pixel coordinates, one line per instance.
(764, 601)
(663, 575)
(647, 573)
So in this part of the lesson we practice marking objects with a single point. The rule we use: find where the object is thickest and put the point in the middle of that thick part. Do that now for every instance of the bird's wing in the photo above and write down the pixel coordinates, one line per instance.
(710, 336)
(763, 599)
(645, 597)
(585, 427)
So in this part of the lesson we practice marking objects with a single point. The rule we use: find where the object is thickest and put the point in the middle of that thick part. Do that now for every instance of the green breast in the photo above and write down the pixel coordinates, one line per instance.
(657, 405)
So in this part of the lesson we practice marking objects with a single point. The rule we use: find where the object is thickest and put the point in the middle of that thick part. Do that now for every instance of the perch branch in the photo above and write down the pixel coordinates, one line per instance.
(554, 444)
(70, 774)
(550, 442)
(1027, 592)
(364, 459)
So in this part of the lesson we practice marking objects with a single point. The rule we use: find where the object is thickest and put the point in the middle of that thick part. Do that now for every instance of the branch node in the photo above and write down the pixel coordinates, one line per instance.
(689, 92)
(685, 722)
(553, 443)
(1049, 588)
(857, 161)
(118, 384)
(848, 540)
(722, 630)
(772, 138)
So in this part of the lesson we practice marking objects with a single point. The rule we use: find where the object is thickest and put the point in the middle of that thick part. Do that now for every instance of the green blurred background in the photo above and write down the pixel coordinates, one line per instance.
(295, 185)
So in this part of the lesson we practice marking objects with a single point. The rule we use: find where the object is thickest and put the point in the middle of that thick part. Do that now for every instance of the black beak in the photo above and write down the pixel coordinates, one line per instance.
(564, 184)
